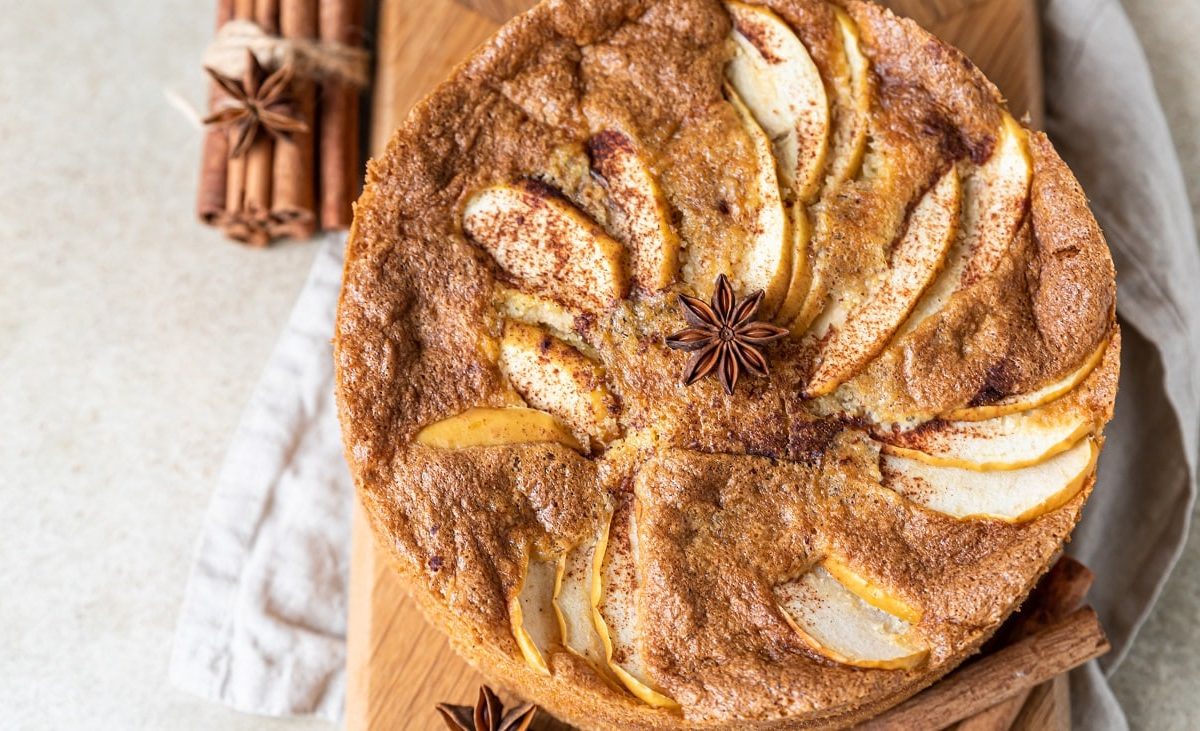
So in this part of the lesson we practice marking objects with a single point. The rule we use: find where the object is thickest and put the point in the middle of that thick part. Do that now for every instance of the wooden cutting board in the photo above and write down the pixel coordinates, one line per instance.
(399, 666)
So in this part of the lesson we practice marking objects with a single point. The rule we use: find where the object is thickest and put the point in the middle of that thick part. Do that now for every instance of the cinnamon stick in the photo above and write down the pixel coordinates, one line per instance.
(256, 206)
(214, 156)
(339, 22)
(236, 226)
(999, 717)
(1059, 592)
(292, 194)
(1048, 707)
(1017, 667)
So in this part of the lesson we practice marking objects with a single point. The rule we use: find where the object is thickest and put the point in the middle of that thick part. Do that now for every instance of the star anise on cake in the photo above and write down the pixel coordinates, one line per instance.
(487, 715)
(256, 103)
(724, 337)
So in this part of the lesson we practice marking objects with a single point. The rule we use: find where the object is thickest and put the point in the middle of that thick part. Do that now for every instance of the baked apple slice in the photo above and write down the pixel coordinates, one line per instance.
(767, 262)
(1003, 443)
(773, 74)
(871, 592)
(1014, 496)
(1025, 401)
(999, 197)
(527, 307)
(552, 375)
(491, 427)
(994, 203)
(851, 107)
(856, 331)
(540, 238)
(642, 219)
(575, 591)
(839, 625)
(851, 102)
(801, 279)
(531, 612)
(616, 608)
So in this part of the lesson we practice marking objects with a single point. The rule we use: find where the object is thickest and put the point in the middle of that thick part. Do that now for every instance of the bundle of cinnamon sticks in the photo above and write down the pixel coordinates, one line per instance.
(295, 184)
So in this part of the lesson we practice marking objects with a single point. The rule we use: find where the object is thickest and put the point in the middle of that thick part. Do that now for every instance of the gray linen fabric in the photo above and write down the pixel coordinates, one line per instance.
(1106, 121)
(263, 622)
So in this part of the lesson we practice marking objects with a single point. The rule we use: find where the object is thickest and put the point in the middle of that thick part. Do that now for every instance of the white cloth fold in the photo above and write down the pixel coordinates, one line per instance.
(263, 625)
(263, 622)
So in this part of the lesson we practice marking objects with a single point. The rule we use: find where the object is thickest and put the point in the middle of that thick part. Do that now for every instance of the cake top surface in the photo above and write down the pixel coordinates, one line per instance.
(801, 544)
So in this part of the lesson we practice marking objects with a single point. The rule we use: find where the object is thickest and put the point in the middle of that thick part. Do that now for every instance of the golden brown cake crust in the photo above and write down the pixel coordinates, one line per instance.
(734, 494)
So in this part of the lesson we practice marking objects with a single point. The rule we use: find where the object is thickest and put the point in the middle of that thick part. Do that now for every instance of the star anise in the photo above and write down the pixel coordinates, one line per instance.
(487, 715)
(256, 103)
(724, 336)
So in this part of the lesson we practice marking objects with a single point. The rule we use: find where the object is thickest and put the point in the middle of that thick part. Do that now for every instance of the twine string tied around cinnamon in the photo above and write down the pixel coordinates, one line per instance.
(311, 59)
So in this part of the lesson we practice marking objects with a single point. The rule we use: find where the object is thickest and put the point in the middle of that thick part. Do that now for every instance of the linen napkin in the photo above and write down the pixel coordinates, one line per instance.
(1105, 119)
(263, 622)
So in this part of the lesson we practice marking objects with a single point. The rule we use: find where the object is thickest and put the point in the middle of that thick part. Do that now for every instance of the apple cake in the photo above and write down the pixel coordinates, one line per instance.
(721, 365)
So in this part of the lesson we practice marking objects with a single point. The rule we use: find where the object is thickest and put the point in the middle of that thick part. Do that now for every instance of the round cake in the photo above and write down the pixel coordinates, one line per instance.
(721, 365)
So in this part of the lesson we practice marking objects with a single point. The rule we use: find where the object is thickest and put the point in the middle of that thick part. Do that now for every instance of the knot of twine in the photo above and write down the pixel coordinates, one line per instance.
(310, 59)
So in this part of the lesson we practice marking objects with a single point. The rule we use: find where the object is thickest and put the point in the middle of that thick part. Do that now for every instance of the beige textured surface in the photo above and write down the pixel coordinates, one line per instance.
(130, 338)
